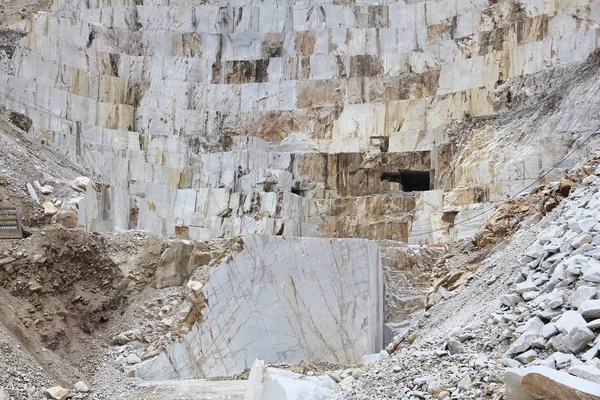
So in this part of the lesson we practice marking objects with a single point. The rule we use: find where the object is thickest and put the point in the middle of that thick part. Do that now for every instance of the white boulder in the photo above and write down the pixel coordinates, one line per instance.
(272, 383)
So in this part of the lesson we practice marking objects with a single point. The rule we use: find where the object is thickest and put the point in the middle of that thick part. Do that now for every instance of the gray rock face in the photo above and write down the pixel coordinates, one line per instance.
(173, 116)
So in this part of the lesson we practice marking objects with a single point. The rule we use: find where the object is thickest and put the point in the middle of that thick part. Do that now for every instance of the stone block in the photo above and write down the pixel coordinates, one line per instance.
(282, 300)
(272, 383)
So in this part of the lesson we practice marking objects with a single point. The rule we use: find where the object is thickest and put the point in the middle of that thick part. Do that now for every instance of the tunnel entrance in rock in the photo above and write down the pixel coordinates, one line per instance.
(410, 181)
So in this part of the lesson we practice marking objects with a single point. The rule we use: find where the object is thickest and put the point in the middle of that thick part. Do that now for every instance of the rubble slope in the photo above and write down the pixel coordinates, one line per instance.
(532, 300)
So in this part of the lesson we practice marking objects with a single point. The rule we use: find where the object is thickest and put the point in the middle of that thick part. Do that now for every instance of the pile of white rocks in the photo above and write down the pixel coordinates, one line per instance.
(538, 337)
(430, 373)
(552, 309)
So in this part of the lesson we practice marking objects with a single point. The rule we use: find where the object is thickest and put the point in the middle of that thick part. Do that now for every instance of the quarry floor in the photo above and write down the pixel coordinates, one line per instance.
(191, 389)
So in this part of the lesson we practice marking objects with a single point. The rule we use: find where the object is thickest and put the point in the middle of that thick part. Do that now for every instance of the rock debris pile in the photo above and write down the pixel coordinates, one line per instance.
(543, 326)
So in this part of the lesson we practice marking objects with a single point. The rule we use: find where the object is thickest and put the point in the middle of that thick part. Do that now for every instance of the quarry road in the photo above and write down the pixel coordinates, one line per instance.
(191, 389)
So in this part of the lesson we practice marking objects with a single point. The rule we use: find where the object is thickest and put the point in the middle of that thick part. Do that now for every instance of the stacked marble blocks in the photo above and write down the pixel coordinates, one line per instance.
(152, 94)
(282, 300)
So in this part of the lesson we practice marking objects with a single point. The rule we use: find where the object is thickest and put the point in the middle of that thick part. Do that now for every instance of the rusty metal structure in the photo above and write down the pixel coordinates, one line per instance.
(10, 223)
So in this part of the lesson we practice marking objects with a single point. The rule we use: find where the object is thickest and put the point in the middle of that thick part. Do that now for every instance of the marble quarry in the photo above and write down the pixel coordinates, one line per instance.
(313, 119)
(282, 300)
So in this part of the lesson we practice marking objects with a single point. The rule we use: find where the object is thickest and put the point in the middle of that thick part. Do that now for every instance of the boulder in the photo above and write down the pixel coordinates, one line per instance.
(562, 360)
(272, 383)
(590, 309)
(582, 294)
(56, 393)
(80, 183)
(45, 190)
(510, 363)
(580, 240)
(68, 219)
(465, 383)
(527, 296)
(527, 286)
(565, 186)
(527, 357)
(549, 330)
(533, 324)
(577, 339)
(591, 353)
(133, 359)
(591, 274)
(510, 300)
(7, 260)
(539, 343)
(81, 387)
(172, 269)
(595, 324)
(49, 208)
(454, 346)
(569, 320)
(523, 342)
(372, 358)
(545, 383)
(556, 300)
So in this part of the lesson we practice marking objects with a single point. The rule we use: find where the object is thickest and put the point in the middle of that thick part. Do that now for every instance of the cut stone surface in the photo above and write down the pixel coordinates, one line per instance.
(324, 296)
(272, 383)
(543, 382)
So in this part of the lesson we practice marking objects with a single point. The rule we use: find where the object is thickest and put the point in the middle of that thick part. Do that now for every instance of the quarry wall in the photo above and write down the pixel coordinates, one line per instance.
(303, 119)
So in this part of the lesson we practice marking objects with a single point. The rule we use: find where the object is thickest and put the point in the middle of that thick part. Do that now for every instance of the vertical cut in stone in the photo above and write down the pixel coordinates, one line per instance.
(282, 300)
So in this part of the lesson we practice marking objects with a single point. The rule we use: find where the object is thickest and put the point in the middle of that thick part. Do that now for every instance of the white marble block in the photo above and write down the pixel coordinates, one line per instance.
(283, 300)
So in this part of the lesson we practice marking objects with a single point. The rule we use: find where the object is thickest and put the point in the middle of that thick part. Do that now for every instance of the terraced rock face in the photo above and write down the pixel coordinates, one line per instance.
(292, 118)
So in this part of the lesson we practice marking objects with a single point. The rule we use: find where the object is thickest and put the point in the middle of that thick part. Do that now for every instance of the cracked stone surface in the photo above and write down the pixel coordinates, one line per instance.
(282, 300)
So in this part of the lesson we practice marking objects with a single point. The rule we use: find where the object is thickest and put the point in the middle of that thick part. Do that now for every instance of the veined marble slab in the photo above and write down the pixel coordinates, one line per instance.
(283, 300)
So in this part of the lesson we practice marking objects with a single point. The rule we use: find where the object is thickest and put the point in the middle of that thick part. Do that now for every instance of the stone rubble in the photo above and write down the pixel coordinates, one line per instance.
(548, 317)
